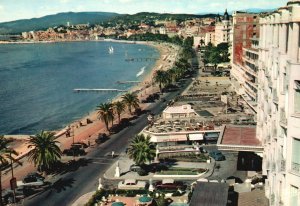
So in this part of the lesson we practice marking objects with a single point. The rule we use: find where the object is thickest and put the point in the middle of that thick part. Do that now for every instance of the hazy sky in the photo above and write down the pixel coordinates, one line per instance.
(24, 9)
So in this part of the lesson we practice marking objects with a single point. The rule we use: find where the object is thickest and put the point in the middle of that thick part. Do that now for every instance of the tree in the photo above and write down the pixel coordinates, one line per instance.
(105, 113)
(5, 158)
(161, 77)
(215, 59)
(131, 100)
(119, 107)
(45, 152)
(141, 150)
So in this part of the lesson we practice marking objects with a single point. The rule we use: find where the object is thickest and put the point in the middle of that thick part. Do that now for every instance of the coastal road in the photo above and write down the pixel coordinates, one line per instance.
(68, 187)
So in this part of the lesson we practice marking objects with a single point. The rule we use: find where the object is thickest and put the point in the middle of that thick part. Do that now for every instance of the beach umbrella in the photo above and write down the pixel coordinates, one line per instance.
(118, 204)
(145, 199)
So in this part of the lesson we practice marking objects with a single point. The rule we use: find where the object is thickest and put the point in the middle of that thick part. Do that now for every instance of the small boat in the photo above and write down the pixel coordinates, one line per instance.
(110, 50)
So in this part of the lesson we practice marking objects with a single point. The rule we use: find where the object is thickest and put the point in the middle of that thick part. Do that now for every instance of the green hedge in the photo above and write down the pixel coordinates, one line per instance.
(182, 171)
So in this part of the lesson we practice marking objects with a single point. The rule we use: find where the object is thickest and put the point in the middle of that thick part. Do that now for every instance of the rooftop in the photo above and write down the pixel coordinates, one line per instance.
(210, 194)
(239, 135)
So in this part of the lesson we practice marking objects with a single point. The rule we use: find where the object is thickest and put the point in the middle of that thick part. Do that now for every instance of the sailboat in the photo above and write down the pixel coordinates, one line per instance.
(110, 50)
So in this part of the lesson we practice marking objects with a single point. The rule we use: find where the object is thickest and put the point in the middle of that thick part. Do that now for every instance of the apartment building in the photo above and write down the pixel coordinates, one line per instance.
(278, 115)
(245, 33)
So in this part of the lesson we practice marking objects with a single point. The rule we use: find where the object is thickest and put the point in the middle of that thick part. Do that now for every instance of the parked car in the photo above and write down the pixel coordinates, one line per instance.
(135, 168)
(8, 195)
(74, 151)
(31, 180)
(131, 184)
(102, 137)
(217, 155)
(80, 145)
(170, 184)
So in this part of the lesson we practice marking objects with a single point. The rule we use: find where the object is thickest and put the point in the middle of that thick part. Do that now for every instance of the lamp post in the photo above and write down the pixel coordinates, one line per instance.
(73, 136)
(13, 179)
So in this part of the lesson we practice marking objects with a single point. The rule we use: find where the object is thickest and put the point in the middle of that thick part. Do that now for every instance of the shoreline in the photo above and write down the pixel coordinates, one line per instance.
(146, 84)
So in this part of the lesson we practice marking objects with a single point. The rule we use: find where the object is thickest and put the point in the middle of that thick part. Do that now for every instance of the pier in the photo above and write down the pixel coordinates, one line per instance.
(99, 90)
(141, 59)
(128, 82)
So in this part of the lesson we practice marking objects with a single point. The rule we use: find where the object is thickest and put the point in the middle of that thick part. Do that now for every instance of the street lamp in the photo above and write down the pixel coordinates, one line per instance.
(13, 181)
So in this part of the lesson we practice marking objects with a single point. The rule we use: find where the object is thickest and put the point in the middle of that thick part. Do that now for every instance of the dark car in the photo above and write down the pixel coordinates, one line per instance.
(217, 155)
(81, 145)
(170, 184)
(102, 137)
(74, 151)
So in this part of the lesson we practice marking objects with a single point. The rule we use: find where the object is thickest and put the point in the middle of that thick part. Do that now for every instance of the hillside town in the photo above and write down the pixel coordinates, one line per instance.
(218, 124)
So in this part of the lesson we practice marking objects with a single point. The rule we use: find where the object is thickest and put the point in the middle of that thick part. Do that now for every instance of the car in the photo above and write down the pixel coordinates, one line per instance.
(74, 151)
(81, 145)
(8, 195)
(217, 155)
(31, 181)
(135, 168)
(170, 184)
(131, 184)
(102, 137)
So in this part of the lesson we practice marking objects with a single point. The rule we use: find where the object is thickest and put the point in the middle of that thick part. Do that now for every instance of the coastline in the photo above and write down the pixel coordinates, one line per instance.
(84, 132)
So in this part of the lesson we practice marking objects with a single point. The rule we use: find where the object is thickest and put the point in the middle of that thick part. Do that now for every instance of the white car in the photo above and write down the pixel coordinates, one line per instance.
(131, 184)
(31, 181)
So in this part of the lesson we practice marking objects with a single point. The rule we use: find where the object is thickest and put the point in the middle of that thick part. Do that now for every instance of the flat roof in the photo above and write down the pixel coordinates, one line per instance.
(210, 194)
(239, 135)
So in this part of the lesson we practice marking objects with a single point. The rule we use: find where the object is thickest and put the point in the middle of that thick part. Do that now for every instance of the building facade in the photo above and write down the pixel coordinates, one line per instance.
(245, 33)
(278, 115)
(222, 29)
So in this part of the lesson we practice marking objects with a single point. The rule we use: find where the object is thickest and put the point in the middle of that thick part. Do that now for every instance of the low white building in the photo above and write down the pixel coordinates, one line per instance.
(184, 111)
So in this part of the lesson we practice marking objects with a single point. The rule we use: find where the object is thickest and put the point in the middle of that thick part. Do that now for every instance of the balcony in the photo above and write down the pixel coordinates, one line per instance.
(270, 83)
(274, 132)
(282, 165)
(275, 96)
(295, 167)
(283, 119)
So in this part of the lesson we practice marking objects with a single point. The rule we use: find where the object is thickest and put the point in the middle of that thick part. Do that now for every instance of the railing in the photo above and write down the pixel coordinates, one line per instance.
(295, 167)
(283, 119)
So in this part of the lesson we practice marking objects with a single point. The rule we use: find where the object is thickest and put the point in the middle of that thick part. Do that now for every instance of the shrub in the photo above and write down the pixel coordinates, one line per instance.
(142, 172)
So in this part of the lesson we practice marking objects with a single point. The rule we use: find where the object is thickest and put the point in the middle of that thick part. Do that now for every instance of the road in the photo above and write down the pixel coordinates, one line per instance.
(67, 188)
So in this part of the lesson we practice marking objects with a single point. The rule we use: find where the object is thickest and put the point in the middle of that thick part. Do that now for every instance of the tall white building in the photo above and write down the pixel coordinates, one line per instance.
(278, 114)
(222, 29)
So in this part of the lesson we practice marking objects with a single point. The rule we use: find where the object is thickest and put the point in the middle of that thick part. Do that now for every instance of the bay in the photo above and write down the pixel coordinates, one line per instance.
(37, 81)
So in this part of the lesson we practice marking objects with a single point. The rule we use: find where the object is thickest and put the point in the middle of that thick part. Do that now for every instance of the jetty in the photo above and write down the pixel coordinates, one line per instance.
(128, 82)
(98, 90)
(141, 59)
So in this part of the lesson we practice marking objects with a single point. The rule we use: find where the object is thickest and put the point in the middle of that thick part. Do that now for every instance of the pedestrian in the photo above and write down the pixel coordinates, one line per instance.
(112, 154)
(89, 143)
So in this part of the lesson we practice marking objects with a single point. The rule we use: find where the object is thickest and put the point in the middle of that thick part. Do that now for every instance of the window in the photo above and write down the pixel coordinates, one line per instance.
(297, 97)
(293, 196)
(295, 155)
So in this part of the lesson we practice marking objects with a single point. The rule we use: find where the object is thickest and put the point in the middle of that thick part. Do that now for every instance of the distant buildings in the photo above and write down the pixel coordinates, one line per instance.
(278, 115)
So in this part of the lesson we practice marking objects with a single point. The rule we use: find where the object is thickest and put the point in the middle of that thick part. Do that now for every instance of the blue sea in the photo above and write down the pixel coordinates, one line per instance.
(37, 81)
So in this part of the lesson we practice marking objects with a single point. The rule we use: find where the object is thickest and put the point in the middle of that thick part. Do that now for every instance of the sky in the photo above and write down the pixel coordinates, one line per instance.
(25, 9)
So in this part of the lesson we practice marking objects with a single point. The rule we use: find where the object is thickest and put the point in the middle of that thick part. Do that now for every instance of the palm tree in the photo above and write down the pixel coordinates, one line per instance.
(105, 113)
(141, 150)
(5, 157)
(45, 150)
(161, 77)
(131, 100)
(119, 107)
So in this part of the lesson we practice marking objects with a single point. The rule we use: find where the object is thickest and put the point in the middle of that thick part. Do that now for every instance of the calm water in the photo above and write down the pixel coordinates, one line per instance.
(37, 81)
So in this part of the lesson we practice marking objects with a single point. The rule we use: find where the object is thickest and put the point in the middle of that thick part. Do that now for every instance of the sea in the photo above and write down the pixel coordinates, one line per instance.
(37, 81)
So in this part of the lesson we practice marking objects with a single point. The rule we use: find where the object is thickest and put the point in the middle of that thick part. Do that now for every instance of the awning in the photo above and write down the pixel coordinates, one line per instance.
(195, 137)
(176, 138)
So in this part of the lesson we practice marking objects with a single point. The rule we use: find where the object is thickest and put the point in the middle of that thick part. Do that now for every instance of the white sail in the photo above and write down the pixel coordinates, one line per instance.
(110, 50)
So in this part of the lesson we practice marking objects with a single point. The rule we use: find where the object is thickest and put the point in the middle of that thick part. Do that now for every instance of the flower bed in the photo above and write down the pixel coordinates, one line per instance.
(181, 171)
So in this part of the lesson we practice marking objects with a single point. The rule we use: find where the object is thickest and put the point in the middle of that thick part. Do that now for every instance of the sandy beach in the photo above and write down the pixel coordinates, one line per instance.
(84, 132)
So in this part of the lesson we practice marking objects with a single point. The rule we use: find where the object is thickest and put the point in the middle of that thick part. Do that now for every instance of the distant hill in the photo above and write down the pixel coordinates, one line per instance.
(250, 10)
(15, 27)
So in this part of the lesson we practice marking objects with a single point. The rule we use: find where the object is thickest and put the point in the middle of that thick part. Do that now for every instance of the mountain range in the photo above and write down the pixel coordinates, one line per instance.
(18, 26)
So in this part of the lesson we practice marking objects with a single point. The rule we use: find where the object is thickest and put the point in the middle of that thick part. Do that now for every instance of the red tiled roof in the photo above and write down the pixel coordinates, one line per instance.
(240, 136)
